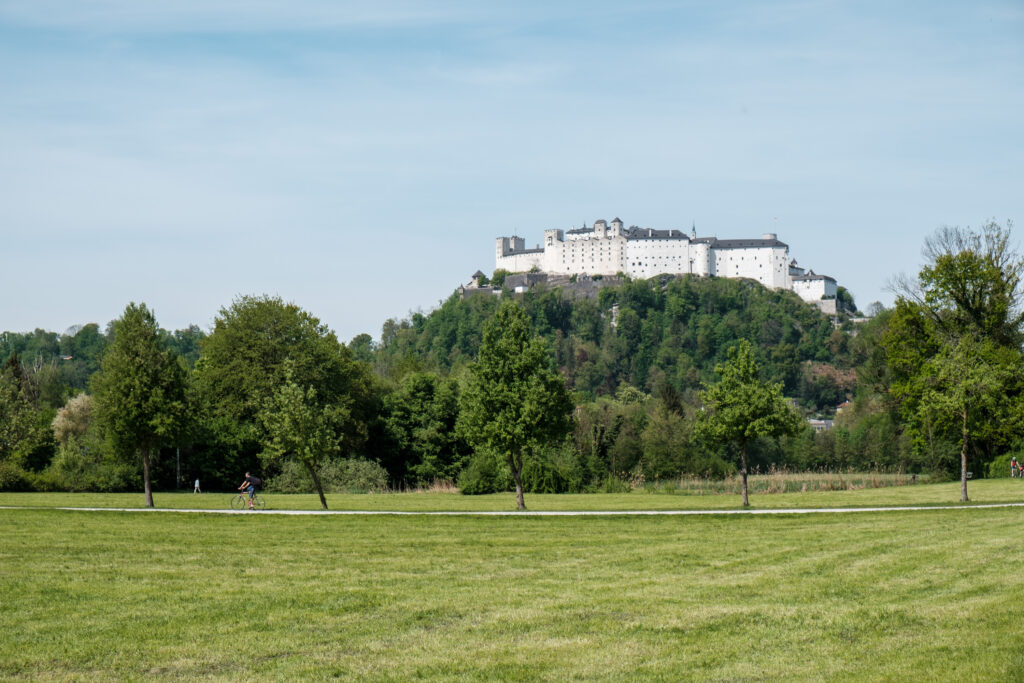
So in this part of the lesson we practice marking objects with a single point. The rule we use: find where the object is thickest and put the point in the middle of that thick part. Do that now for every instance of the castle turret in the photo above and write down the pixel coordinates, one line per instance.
(552, 236)
(509, 245)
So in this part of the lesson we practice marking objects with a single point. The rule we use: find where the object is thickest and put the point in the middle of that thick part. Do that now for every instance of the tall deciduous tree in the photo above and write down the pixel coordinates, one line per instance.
(17, 418)
(140, 393)
(971, 282)
(514, 402)
(964, 388)
(953, 342)
(242, 364)
(420, 421)
(741, 407)
(297, 425)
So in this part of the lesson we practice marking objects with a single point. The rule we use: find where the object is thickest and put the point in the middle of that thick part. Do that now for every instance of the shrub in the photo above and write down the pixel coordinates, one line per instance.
(353, 476)
(13, 478)
(1000, 467)
(340, 475)
(542, 476)
(484, 474)
(613, 484)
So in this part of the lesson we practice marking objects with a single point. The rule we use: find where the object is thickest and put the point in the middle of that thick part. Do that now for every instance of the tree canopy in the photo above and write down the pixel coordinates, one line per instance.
(514, 401)
(140, 391)
(243, 365)
(742, 407)
(953, 345)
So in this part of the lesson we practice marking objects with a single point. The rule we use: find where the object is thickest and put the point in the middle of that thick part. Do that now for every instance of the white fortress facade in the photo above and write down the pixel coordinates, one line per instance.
(611, 248)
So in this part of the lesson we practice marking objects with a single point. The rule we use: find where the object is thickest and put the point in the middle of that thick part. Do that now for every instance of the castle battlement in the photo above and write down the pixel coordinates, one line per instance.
(611, 248)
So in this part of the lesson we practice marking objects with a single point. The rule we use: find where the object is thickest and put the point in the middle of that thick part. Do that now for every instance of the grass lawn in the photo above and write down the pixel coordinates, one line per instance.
(981, 491)
(929, 595)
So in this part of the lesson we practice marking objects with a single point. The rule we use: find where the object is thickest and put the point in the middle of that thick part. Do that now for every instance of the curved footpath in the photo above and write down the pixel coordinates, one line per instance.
(539, 513)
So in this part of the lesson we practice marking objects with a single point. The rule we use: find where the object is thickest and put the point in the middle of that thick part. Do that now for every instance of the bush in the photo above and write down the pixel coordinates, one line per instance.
(341, 475)
(1000, 467)
(353, 476)
(86, 468)
(484, 474)
(613, 484)
(542, 476)
(13, 478)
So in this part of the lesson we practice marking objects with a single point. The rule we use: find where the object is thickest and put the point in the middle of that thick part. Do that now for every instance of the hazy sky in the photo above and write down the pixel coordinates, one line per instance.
(360, 158)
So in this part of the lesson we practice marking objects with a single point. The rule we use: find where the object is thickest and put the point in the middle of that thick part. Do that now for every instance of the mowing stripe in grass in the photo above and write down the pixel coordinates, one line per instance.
(539, 513)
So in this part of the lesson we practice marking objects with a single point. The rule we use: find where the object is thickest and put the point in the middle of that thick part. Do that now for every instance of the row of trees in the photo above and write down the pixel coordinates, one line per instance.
(271, 380)
(549, 394)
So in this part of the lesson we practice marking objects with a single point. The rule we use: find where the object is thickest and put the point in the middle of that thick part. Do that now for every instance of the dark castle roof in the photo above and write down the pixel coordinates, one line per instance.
(746, 244)
(811, 275)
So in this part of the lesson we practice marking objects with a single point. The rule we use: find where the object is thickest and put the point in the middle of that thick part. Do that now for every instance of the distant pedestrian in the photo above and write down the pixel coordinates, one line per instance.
(1014, 467)
(196, 490)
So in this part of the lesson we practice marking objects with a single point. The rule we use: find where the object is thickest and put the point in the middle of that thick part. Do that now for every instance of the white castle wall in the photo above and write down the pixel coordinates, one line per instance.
(607, 249)
(765, 260)
(512, 255)
(648, 254)
(815, 287)
(599, 251)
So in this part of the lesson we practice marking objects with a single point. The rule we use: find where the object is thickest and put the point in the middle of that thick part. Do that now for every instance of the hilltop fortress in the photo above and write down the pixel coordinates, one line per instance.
(610, 248)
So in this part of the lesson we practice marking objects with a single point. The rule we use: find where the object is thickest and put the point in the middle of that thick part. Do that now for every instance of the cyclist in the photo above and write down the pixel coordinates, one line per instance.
(249, 484)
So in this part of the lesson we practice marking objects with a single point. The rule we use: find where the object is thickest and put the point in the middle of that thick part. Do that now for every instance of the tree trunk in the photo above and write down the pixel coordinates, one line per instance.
(145, 477)
(743, 473)
(517, 475)
(316, 481)
(963, 461)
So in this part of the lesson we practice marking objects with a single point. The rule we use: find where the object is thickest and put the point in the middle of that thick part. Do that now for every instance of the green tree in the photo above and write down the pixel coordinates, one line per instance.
(297, 425)
(242, 364)
(972, 282)
(960, 319)
(420, 421)
(17, 417)
(741, 407)
(665, 443)
(964, 389)
(140, 393)
(514, 402)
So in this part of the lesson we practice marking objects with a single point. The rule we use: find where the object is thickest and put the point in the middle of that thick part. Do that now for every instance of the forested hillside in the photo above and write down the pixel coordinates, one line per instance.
(668, 331)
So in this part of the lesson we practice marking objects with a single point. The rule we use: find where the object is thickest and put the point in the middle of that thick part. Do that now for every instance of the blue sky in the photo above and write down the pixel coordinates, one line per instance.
(360, 158)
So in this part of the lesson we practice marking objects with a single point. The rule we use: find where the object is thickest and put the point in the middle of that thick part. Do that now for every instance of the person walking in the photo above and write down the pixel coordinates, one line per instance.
(1014, 467)
(196, 489)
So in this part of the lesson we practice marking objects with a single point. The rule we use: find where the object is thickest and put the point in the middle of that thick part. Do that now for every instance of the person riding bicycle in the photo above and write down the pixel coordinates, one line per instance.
(249, 484)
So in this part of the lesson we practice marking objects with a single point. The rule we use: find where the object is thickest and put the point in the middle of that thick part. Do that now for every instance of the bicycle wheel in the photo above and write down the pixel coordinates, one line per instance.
(238, 502)
(258, 503)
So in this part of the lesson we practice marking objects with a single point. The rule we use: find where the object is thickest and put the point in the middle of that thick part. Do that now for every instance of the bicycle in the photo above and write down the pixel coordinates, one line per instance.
(241, 502)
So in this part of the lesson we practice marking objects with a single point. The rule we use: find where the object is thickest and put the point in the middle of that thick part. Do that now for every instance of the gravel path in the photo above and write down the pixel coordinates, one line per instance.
(543, 513)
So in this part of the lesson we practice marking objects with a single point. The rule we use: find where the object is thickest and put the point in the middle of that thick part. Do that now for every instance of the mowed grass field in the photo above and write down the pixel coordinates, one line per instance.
(924, 595)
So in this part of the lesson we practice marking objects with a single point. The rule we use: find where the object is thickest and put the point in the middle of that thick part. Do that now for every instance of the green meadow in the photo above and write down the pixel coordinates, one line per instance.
(922, 595)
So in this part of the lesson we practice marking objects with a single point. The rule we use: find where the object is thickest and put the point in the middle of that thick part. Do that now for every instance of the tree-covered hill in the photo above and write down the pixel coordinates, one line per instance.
(666, 331)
